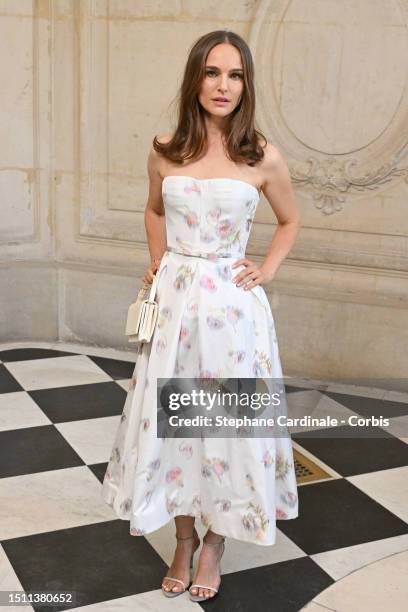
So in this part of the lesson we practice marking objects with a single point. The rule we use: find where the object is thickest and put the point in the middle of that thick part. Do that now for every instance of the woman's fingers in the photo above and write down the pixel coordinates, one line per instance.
(148, 276)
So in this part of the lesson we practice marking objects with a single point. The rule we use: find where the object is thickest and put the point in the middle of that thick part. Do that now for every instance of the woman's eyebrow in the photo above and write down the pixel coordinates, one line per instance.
(232, 69)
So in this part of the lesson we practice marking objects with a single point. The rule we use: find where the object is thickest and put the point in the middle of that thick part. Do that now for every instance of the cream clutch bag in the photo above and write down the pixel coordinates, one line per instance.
(142, 314)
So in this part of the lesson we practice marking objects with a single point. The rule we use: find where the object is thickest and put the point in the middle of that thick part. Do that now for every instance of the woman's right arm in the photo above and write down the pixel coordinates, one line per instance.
(154, 217)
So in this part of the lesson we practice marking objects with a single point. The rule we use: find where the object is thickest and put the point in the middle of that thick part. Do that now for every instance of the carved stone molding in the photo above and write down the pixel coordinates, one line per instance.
(331, 181)
(353, 152)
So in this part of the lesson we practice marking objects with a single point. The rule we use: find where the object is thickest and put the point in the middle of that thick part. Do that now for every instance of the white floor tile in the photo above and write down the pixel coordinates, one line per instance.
(92, 439)
(341, 562)
(18, 410)
(374, 588)
(46, 501)
(388, 487)
(55, 372)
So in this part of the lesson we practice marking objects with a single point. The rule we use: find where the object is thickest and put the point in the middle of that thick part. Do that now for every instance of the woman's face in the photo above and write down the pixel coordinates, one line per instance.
(223, 79)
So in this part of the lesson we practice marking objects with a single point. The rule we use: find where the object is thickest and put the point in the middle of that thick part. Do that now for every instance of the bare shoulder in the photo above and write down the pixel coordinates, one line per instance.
(156, 162)
(273, 161)
(277, 186)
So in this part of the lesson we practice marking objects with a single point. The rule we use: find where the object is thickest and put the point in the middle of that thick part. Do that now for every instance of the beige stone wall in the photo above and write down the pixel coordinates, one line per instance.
(86, 85)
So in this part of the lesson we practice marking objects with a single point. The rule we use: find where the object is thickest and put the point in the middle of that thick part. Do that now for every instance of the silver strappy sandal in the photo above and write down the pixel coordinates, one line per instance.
(205, 586)
(171, 593)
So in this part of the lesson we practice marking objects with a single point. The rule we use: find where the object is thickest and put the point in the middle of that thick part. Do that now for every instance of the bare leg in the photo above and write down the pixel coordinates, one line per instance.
(208, 566)
(180, 568)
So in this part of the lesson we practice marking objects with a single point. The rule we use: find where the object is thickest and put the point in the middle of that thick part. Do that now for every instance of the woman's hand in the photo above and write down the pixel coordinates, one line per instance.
(151, 271)
(251, 276)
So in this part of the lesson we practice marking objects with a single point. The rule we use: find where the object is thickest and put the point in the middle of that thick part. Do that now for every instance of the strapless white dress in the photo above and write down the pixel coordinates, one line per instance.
(207, 327)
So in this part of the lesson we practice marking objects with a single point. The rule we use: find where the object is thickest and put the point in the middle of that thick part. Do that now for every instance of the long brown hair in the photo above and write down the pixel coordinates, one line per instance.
(189, 140)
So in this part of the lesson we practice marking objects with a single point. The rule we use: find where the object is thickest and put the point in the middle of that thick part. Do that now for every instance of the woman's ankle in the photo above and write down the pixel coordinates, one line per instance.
(213, 538)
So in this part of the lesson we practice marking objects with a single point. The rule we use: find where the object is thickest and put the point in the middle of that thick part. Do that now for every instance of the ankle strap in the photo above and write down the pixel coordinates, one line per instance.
(187, 538)
(221, 541)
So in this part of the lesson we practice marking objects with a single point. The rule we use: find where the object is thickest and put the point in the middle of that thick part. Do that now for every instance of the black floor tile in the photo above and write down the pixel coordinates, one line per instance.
(350, 456)
(22, 354)
(99, 469)
(293, 389)
(335, 514)
(35, 449)
(78, 402)
(100, 562)
(8, 383)
(367, 406)
(117, 369)
(282, 587)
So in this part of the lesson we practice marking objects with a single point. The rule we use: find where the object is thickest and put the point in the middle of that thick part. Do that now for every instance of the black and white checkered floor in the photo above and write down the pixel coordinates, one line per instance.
(59, 409)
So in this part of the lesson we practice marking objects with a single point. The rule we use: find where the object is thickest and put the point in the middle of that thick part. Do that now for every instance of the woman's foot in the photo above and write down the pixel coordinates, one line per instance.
(180, 568)
(208, 570)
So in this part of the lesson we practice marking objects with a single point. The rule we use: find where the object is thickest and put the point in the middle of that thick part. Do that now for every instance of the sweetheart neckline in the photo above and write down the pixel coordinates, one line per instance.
(211, 179)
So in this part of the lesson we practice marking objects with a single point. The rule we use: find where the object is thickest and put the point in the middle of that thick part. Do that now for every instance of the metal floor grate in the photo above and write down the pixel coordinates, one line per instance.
(307, 470)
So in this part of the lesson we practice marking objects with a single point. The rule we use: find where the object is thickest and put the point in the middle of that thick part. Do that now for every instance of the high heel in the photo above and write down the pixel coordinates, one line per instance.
(171, 593)
(204, 586)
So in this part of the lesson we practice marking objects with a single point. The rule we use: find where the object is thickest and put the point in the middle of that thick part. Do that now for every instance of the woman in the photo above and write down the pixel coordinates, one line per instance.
(214, 321)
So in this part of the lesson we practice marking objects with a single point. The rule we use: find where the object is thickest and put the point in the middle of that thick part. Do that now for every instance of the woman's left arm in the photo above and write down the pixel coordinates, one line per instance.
(279, 192)
(277, 188)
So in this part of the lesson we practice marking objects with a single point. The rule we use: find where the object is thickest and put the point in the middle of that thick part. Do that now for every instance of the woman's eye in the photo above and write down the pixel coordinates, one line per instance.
(209, 72)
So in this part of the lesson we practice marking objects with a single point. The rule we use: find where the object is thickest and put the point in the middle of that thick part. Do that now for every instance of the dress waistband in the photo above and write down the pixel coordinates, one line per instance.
(211, 256)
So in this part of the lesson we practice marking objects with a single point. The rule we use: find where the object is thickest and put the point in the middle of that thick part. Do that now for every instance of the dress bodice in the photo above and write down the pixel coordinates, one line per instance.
(208, 217)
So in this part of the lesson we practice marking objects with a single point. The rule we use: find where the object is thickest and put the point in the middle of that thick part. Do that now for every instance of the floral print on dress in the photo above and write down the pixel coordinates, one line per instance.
(214, 466)
(191, 219)
(267, 459)
(224, 272)
(183, 278)
(192, 309)
(215, 322)
(196, 503)
(234, 315)
(164, 316)
(262, 365)
(136, 531)
(191, 189)
(148, 497)
(184, 336)
(223, 505)
(207, 328)
(283, 465)
(175, 475)
(126, 505)
(255, 520)
(289, 499)
(186, 449)
(161, 344)
(152, 468)
(207, 282)
(237, 356)
(250, 482)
